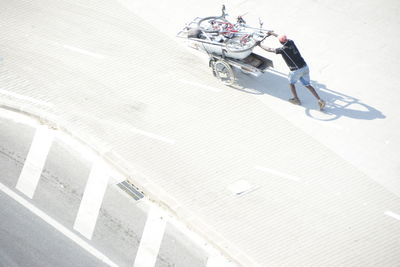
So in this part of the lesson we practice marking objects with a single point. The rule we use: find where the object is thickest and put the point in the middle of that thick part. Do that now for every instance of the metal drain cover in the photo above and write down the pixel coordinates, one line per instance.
(130, 190)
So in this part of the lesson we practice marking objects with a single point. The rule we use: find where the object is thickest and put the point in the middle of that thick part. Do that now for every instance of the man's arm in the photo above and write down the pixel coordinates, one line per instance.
(266, 48)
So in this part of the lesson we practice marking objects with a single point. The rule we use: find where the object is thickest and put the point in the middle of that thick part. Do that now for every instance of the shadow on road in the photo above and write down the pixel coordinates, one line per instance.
(338, 104)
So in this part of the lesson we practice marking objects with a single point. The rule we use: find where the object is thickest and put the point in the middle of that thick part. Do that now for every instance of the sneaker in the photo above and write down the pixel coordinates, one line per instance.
(295, 101)
(321, 104)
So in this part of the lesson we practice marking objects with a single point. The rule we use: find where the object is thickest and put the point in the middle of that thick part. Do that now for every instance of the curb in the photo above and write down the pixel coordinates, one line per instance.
(144, 185)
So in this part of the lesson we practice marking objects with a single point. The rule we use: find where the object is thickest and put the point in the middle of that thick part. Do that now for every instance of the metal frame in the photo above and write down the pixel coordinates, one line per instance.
(253, 64)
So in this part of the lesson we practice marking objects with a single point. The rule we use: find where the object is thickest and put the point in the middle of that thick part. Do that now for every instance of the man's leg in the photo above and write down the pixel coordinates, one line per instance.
(294, 92)
(293, 78)
(295, 99)
(312, 90)
(305, 79)
(321, 103)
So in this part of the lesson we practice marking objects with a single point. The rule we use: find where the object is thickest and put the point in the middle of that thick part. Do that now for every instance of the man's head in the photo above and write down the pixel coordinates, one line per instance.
(282, 39)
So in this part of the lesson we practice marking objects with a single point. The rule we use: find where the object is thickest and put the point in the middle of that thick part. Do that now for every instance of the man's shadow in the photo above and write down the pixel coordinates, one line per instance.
(337, 104)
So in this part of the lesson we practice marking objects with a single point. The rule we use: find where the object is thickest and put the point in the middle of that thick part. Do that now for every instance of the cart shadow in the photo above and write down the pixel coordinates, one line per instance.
(337, 104)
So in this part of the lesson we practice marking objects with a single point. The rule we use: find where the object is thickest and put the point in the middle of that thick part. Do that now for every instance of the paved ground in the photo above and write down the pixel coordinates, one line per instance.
(356, 76)
(326, 187)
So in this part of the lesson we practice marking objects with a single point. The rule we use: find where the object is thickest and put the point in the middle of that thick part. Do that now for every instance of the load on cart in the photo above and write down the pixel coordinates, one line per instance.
(228, 45)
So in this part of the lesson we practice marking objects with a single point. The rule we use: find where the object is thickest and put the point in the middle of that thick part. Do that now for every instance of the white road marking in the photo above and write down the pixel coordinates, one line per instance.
(88, 154)
(210, 88)
(278, 173)
(78, 146)
(34, 163)
(151, 239)
(153, 136)
(84, 52)
(393, 215)
(56, 225)
(115, 177)
(92, 199)
(26, 98)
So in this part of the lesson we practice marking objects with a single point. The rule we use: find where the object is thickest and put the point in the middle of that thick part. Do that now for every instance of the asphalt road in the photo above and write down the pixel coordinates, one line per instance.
(27, 239)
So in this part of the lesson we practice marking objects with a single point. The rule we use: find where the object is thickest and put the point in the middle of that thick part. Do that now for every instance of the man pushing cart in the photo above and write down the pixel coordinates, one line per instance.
(231, 45)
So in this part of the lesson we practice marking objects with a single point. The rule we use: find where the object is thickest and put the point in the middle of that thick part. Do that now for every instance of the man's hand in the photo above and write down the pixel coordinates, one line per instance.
(272, 33)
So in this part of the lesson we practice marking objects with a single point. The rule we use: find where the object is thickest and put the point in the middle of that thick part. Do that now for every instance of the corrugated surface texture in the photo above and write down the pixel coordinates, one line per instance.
(110, 79)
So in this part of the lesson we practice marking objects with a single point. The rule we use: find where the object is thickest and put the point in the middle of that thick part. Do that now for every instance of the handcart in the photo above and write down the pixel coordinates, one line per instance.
(228, 45)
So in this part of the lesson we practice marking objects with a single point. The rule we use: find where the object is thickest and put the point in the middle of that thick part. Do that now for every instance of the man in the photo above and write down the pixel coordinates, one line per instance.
(298, 68)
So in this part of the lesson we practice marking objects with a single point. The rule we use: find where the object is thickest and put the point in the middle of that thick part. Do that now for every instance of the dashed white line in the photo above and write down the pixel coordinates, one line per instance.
(84, 52)
(57, 225)
(210, 88)
(34, 163)
(278, 173)
(393, 215)
(92, 199)
(151, 239)
(153, 136)
(26, 98)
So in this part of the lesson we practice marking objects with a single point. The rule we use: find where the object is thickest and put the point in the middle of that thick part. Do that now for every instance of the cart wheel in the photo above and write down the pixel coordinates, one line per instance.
(211, 65)
(223, 72)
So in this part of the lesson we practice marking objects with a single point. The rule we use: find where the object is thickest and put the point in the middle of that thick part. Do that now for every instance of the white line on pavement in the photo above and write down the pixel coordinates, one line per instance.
(210, 88)
(92, 199)
(278, 173)
(34, 163)
(151, 239)
(152, 135)
(27, 98)
(393, 215)
(83, 51)
(88, 154)
(57, 225)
